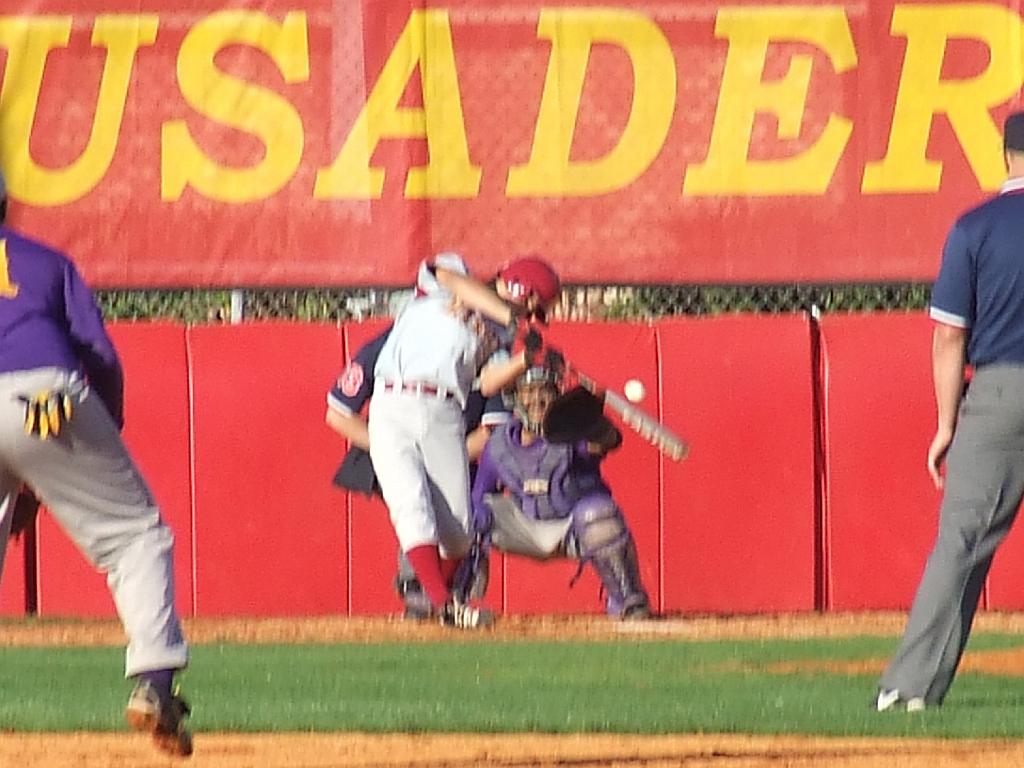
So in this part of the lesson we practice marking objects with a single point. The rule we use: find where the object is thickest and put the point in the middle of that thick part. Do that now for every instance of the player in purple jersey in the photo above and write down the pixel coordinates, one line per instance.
(544, 499)
(61, 411)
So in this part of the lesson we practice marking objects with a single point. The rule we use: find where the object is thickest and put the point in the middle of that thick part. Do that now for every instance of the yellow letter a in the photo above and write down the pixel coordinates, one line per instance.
(425, 42)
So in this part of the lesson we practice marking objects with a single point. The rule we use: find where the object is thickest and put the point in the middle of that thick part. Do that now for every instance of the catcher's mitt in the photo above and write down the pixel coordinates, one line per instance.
(23, 516)
(46, 412)
(356, 473)
(579, 415)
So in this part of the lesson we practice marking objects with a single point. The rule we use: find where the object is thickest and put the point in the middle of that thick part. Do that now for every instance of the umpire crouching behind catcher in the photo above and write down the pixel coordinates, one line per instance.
(60, 443)
(978, 304)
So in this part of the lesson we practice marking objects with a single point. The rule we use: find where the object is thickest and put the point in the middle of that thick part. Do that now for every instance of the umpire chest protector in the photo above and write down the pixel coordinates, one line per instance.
(539, 475)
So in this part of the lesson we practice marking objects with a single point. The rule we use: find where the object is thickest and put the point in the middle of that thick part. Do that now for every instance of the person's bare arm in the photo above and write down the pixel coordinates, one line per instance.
(497, 376)
(949, 345)
(476, 440)
(350, 426)
(474, 295)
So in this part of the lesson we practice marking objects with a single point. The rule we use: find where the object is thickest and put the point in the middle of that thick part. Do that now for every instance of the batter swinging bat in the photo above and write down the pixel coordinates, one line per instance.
(649, 428)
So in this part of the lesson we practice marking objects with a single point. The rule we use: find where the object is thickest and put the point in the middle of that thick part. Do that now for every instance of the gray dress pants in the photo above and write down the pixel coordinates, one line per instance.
(983, 490)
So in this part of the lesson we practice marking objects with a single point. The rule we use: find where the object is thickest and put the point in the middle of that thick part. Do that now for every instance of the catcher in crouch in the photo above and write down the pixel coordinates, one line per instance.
(539, 492)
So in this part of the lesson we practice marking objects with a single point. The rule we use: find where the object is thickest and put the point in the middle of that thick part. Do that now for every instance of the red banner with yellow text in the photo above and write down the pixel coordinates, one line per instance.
(337, 142)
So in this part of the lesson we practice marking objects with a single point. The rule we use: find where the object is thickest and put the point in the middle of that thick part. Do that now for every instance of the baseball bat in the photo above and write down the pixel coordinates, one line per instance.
(645, 425)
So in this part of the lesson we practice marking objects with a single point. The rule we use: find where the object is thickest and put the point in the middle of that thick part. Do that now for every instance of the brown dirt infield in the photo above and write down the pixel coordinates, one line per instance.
(124, 750)
(89, 750)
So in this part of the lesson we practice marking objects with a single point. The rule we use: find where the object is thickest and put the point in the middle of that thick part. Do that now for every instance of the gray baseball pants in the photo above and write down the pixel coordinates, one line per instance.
(983, 490)
(418, 447)
(515, 533)
(93, 489)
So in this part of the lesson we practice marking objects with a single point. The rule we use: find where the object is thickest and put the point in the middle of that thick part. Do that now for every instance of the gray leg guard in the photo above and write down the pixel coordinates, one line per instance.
(604, 540)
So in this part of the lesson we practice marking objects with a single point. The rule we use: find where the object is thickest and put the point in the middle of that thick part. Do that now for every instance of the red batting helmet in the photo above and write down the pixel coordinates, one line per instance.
(530, 275)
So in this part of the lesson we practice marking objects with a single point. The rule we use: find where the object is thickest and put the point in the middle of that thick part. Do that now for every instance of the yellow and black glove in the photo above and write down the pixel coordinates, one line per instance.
(46, 412)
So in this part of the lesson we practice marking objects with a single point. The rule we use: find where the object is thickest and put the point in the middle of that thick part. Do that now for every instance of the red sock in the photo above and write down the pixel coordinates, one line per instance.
(448, 570)
(426, 561)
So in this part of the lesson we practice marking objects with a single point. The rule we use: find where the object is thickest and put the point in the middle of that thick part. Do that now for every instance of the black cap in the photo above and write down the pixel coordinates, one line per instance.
(1013, 132)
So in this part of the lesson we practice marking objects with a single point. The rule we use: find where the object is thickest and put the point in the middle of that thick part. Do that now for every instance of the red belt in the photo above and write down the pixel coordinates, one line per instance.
(418, 388)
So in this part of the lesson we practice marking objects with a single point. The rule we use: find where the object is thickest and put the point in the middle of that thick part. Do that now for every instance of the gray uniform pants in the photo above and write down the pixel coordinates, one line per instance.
(90, 484)
(984, 486)
(515, 533)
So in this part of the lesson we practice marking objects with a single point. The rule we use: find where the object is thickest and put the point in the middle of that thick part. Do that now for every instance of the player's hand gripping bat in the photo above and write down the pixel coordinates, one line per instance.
(645, 425)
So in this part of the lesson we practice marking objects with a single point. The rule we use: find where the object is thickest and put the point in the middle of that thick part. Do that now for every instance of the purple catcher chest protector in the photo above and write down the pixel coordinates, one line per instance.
(545, 478)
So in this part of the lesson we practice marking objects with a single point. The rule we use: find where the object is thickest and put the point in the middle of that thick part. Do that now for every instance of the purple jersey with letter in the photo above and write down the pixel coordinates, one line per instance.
(545, 479)
(49, 318)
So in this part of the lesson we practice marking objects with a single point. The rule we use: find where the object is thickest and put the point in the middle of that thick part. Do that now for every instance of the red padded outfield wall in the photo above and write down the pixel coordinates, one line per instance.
(270, 538)
(879, 417)
(226, 423)
(12, 580)
(739, 513)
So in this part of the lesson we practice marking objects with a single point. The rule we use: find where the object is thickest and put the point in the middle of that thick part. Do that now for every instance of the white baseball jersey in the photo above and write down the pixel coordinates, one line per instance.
(430, 345)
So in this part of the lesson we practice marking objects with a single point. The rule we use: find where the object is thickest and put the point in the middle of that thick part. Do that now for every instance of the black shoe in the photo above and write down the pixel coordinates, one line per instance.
(640, 612)
(417, 605)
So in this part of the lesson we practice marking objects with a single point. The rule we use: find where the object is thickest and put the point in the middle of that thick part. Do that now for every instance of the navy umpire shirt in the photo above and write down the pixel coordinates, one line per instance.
(980, 286)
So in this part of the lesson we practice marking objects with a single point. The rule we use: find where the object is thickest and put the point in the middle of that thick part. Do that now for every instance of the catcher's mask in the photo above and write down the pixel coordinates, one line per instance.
(535, 391)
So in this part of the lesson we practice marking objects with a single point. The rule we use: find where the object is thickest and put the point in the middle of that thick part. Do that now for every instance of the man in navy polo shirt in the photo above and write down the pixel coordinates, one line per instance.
(61, 412)
(978, 305)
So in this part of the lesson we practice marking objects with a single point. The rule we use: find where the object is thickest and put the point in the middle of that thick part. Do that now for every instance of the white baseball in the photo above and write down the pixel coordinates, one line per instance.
(634, 390)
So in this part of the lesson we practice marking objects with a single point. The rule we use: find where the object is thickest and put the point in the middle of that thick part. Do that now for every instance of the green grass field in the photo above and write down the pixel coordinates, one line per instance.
(486, 686)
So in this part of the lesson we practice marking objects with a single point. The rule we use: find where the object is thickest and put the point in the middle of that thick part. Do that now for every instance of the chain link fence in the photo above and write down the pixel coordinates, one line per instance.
(614, 302)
